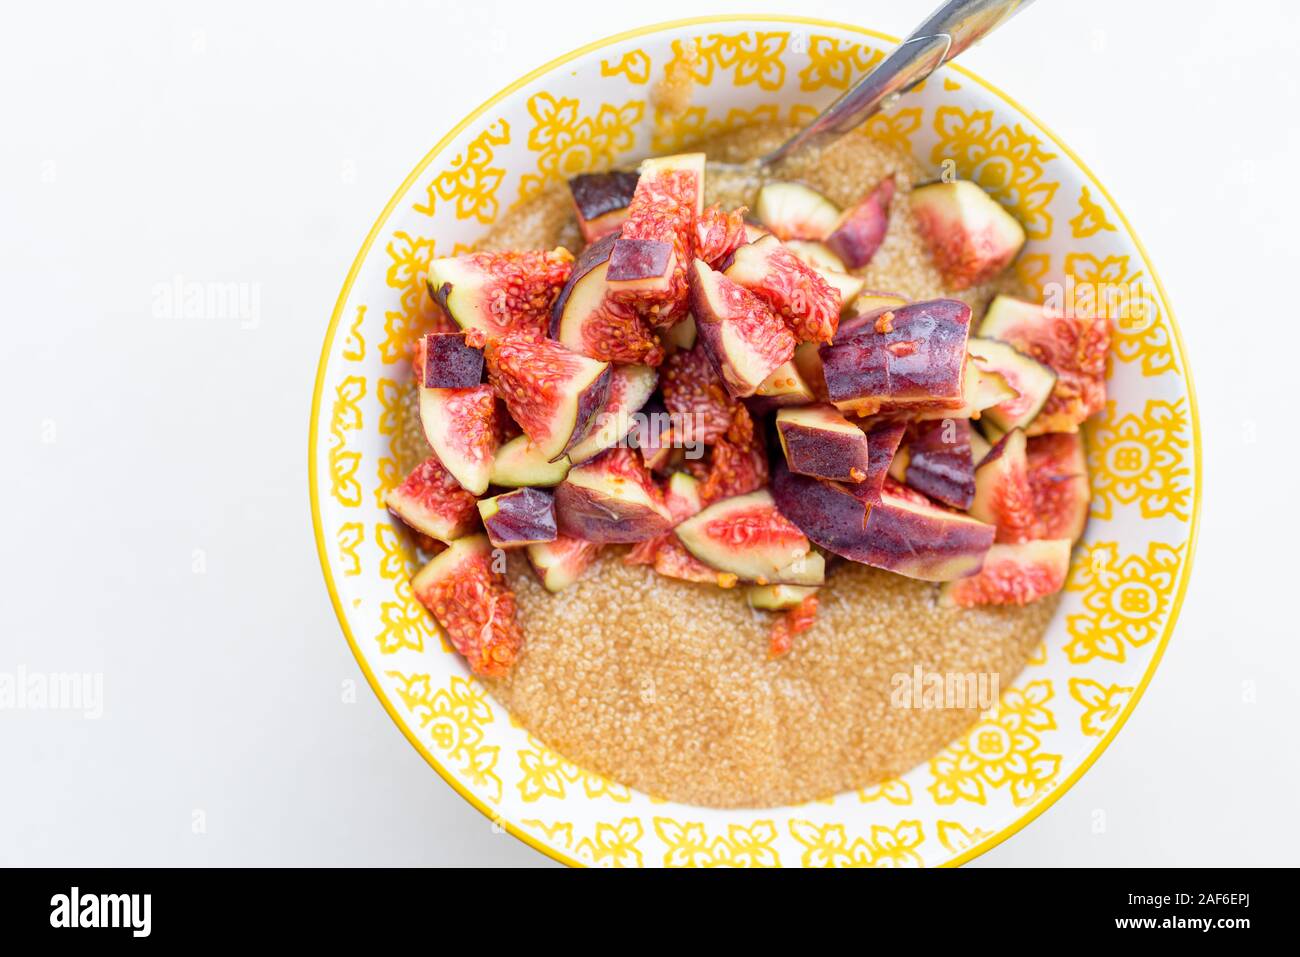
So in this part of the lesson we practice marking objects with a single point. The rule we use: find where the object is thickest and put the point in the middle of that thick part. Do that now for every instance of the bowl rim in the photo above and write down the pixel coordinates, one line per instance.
(1032, 813)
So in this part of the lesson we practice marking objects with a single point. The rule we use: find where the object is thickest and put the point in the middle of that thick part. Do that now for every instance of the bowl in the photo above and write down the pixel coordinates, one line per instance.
(593, 108)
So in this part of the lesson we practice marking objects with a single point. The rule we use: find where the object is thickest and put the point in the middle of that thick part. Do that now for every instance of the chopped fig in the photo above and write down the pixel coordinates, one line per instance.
(499, 292)
(848, 286)
(791, 288)
(1074, 348)
(611, 499)
(808, 362)
(784, 387)
(738, 461)
(1012, 575)
(682, 497)
(1003, 497)
(553, 394)
(898, 466)
(979, 448)
(630, 388)
(918, 362)
(561, 562)
(588, 320)
(601, 201)
(668, 556)
(658, 438)
(860, 230)
(672, 560)
(681, 334)
(473, 604)
(777, 597)
(817, 440)
(695, 395)
(794, 622)
(719, 234)
(748, 537)
(971, 237)
(1058, 476)
(520, 463)
(981, 389)
(431, 501)
(902, 533)
(818, 255)
(447, 362)
(461, 426)
(521, 517)
(939, 461)
(669, 198)
(755, 232)
(883, 440)
(741, 336)
(1031, 380)
(794, 211)
(868, 310)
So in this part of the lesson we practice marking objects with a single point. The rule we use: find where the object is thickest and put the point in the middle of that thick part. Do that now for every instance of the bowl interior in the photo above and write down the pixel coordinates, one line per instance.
(594, 108)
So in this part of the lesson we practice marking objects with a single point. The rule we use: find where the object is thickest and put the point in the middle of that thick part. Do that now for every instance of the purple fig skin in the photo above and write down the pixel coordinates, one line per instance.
(920, 361)
(590, 403)
(942, 470)
(639, 259)
(451, 364)
(822, 453)
(594, 255)
(862, 228)
(852, 325)
(605, 519)
(883, 441)
(926, 543)
(595, 194)
(524, 516)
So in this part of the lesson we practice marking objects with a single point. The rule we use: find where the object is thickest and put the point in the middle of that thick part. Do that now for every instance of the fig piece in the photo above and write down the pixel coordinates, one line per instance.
(719, 234)
(791, 288)
(747, 536)
(939, 461)
(431, 501)
(808, 363)
(473, 604)
(520, 463)
(980, 447)
(611, 499)
(1058, 478)
(695, 396)
(848, 286)
(1012, 575)
(1074, 348)
(744, 340)
(868, 309)
(553, 394)
(586, 319)
(681, 334)
(682, 496)
(630, 388)
(462, 427)
(649, 261)
(561, 562)
(522, 517)
(818, 255)
(784, 387)
(446, 361)
(860, 230)
(795, 621)
(795, 211)
(1003, 496)
(600, 201)
(1030, 379)
(971, 237)
(817, 440)
(777, 597)
(982, 389)
(916, 360)
(737, 462)
(903, 532)
(883, 440)
(500, 292)
(658, 438)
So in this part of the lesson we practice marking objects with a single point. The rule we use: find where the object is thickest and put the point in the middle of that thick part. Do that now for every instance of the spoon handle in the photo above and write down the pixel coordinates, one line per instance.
(944, 34)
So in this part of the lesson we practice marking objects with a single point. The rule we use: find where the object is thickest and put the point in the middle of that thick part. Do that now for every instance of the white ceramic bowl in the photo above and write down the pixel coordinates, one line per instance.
(590, 109)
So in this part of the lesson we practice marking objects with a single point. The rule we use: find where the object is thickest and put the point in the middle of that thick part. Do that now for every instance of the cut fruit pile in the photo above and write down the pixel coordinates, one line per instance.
(726, 398)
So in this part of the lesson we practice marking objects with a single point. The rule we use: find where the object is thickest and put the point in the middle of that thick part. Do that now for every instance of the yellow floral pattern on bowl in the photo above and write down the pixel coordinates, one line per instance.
(594, 109)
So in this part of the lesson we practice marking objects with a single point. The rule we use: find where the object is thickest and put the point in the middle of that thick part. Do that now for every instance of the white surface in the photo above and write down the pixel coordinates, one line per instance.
(255, 143)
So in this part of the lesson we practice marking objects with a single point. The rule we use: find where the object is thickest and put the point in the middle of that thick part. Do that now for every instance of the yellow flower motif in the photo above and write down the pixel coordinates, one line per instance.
(398, 557)
(354, 349)
(546, 774)
(345, 417)
(1142, 459)
(635, 65)
(416, 314)
(454, 718)
(957, 838)
(402, 454)
(567, 142)
(350, 535)
(1039, 655)
(406, 623)
(614, 845)
(1125, 599)
(1101, 704)
(471, 181)
(895, 128)
(827, 845)
(689, 845)
(836, 63)
(1031, 269)
(895, 791)
(559, 832)
(1091, 219)
(1005, 161)
(1002, 750)
(754, 57)
(1139, 334)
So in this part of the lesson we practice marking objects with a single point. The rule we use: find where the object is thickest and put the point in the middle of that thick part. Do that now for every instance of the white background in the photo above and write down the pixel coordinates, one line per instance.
(255, 143)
